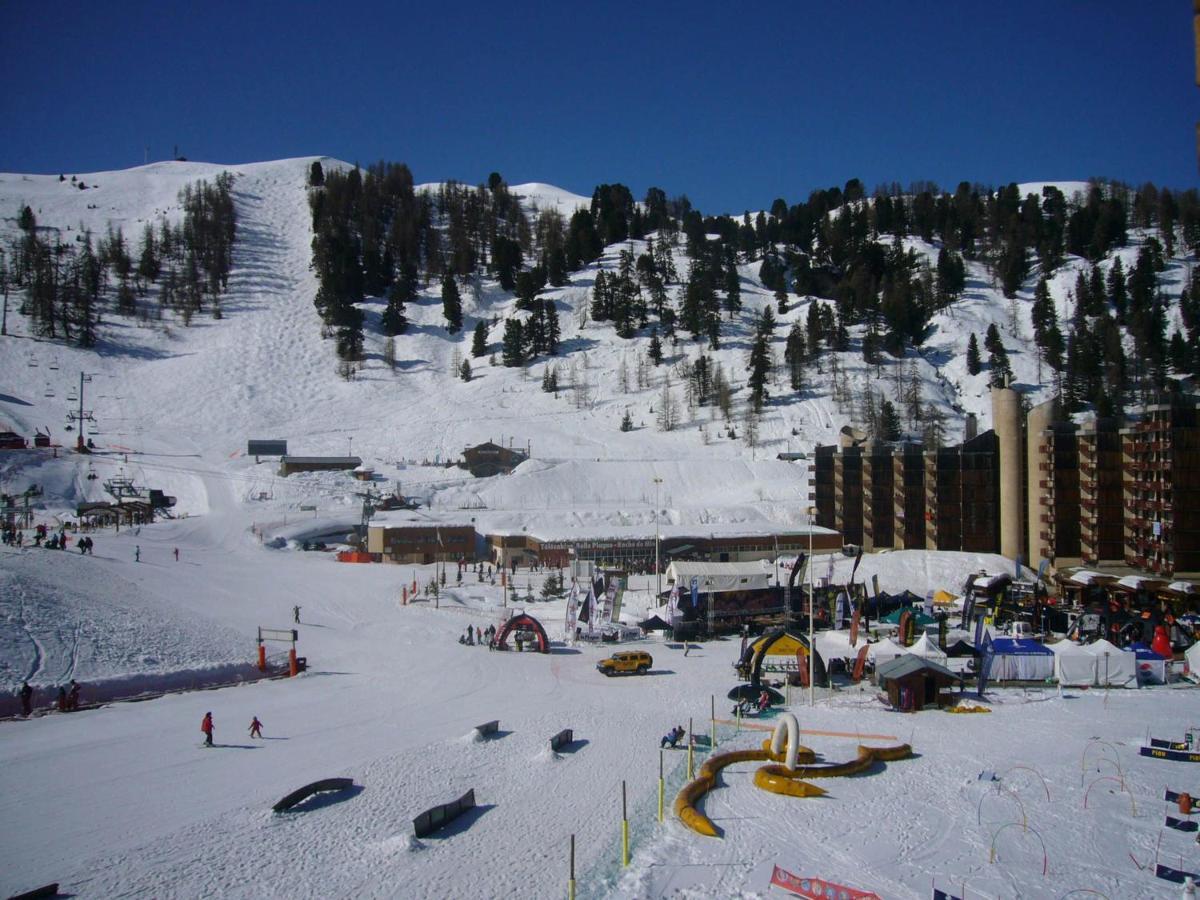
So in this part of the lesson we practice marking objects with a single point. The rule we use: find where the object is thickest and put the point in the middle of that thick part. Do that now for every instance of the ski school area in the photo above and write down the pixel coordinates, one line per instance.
(399, 760)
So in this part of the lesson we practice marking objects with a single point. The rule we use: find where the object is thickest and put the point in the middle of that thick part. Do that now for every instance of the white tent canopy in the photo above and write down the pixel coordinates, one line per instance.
(1114, 666)
(887, 649)
(1192, 657)
(721, 576)
(927, 649)
(1074, 666)
(836, 645)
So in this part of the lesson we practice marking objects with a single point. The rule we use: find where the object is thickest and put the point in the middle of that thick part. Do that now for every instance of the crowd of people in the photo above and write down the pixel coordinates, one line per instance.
(479, 636)
(11, 536)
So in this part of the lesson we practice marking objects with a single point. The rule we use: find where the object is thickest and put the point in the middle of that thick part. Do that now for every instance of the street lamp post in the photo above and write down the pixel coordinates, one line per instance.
(657, 567)
(811, 600)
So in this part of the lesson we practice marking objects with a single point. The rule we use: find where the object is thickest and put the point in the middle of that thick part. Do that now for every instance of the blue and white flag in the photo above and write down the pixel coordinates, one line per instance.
(572, 608)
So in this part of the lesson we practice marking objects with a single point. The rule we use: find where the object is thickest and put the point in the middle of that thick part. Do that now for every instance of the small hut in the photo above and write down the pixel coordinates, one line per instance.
(913, 683)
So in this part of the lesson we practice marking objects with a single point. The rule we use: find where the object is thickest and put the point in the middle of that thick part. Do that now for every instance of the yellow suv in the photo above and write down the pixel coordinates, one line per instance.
(628, 662)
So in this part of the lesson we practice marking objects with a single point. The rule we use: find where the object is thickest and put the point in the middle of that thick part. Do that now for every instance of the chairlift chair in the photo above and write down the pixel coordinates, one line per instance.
(33, 363)
(49, 390)
(54, 364)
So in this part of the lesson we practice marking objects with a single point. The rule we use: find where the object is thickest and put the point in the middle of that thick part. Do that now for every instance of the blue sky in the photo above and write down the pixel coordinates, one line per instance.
(731, 104)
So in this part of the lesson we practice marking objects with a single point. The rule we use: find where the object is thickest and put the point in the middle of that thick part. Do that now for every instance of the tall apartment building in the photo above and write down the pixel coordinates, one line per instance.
(1036, 487)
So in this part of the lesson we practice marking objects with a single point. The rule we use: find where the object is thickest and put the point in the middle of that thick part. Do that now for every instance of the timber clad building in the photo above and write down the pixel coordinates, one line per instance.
(420, 542)
(488, 459)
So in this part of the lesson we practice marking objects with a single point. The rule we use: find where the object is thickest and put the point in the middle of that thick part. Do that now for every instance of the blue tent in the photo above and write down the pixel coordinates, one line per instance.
(1151, 666)
(1021, 659)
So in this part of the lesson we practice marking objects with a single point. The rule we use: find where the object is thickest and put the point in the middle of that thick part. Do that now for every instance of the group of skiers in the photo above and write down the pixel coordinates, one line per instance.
(479, 636)
(66, 701)
(15, 537)
(206, 726)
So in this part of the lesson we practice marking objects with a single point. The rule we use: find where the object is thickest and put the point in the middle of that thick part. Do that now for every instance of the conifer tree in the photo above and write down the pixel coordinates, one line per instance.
(889, 422)
(759, 366)
(512, 351)
(551, 331)
(479, 339)
(1117, 293)
(464, 370)
(451, 304)
(655, 350)
(794, 353)
(394, 321)
(974, 364)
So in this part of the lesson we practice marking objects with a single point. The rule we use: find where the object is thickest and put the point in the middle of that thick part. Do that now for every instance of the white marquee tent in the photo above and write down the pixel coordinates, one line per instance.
(927, 649)
(1074, 666)
(887, 649)
(1114, 667)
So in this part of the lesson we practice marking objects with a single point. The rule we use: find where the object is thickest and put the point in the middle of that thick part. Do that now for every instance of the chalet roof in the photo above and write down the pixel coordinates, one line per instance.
(349, 462)
(907, 664)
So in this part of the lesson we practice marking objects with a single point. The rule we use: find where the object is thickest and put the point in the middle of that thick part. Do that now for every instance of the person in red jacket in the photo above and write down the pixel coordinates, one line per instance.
(255, 728)
(207, 727)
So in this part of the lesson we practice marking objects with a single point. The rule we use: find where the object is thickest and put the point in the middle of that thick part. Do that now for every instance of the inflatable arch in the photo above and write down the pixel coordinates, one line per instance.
(523, 622)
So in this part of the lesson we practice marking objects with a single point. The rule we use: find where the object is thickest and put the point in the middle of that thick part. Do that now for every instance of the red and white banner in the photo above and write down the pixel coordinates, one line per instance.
(817, 888)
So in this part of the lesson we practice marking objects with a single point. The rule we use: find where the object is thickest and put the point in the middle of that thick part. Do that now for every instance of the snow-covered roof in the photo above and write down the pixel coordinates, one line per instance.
(565, 532)
(687, 568)
(1087, 576)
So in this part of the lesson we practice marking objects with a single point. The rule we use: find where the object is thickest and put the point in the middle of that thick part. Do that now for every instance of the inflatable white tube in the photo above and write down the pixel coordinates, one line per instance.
(788, 721)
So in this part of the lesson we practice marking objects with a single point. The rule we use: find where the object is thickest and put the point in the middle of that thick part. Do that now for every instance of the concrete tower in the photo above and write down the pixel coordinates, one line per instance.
(1006, 421)
(1041, 417)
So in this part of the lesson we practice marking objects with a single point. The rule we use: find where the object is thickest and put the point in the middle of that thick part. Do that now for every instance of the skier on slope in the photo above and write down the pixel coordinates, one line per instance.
(206, 725)
(255, 728)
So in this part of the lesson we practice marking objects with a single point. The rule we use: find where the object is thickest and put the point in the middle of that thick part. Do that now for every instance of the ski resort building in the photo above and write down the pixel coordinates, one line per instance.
(397, 539)
(884, 497)
(1038, 487)
(632, 548)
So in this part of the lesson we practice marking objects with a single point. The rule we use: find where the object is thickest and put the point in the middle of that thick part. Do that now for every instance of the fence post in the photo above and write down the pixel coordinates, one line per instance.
(713, 714)
(691, 751)
(571, 870)
(624, 828)
(661, 786)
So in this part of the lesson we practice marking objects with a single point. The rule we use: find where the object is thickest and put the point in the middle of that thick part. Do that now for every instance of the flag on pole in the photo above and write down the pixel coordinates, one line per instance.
(572, 608)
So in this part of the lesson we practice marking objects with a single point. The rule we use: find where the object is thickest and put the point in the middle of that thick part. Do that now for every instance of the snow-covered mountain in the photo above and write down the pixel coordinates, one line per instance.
(264, 369)
(122, 800)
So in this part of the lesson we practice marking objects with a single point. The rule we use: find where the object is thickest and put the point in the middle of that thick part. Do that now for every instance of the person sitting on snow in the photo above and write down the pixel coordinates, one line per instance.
(672, 737)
